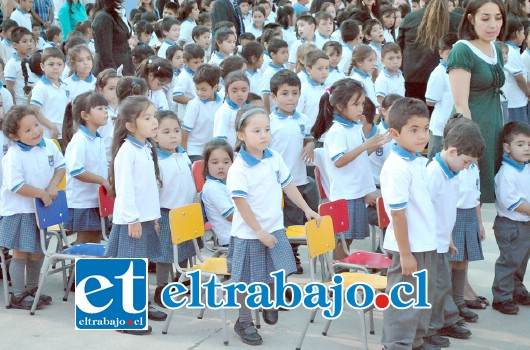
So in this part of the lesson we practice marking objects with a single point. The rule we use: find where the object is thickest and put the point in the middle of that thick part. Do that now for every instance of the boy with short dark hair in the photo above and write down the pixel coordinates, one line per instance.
(205, 19)
(170, 10)
(6, 46)
(325, 23)
(410, 238)
(244, 7)
(334, 50)
(144, 32)
(278, 50)
(306, 26)
(197, 126)
(317, 68)
(253, 54)
(171, 31)
(22, 14)
(390, 80)
(202, 36)
(54, 36)
(39, 41)
(184, 90)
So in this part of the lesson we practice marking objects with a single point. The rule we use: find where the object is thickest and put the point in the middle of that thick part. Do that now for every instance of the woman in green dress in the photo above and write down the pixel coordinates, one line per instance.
(476, 76)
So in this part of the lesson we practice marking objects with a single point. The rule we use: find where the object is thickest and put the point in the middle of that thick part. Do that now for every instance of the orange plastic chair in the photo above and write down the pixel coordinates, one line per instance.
(383, 219)
(62, 185)
(106, 208)
(196, 169)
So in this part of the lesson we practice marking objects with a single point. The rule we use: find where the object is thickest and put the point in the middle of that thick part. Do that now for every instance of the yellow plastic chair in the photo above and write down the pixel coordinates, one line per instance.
(62, 185)
(187, 224)
(321, 242)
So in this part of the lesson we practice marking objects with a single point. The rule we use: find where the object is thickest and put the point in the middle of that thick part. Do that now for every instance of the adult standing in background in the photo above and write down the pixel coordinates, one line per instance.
(43, 12)
(418, 38)
(227, 10)
(111, 34)
(72, 12)
(476, 75)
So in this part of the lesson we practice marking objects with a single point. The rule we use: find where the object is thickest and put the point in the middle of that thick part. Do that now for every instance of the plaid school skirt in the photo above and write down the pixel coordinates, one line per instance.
(358, 220)
(122, 246)
(83, 219)
(186, 250)
(19, 232)
(466, 236)
(250, 261)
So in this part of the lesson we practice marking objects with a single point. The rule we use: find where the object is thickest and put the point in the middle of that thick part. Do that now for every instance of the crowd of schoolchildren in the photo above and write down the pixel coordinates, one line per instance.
(256, 108)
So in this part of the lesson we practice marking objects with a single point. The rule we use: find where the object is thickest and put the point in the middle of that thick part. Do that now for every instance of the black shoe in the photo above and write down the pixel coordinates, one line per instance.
(137, 332)
(299, 269)
(156, 315)
(468, 315)
(506, 307)
(522, 299)
(24, 302)
(151, 267)
(46, 299)
(270, 316)
(248, 333)
(437, 340)
(158, 296)
(455, 331)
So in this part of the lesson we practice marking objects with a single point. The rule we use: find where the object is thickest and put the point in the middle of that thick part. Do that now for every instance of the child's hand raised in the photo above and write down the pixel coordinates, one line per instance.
(408, 264)
(135, 230)
(267, 239)
(377, 141)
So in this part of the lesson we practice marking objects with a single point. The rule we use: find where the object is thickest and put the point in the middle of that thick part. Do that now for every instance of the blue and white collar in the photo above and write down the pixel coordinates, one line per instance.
(250, 72)
(88, 79)
(322, 35)
(189, 20)
(187, 69)
(281, 115)
(331, 70)
(275, 66)
(373, 132)
(514, 164)
(164, 154)
(450, 174)
(390, 75)
(51, 43)
(27, 148)
(512, 45)
(313, 83)
(8, 42)
(176, 72)
(47, 81)
(344, 122)
(266, 53)
(210, 177)
(385, 125)
(403, 153)
(20, 10)
(250, 160)
(18, 58)
(218, 55)
(305, 72)
(232, 104)
(88, 133)
(375, 46)
(170, 43)
(216, 96)
(443, 63)
(348, 46)
(361, 73)
(302, 40)
(136, 142)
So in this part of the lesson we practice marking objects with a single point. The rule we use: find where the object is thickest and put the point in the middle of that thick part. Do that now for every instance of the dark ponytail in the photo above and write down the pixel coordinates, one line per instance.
(68, 125)
(26, 88)
(324, 118)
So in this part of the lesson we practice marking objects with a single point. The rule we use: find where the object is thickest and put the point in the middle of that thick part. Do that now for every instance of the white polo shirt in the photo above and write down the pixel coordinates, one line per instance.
(184, 86)
(13, 72)
(377, 49)
(388, 36)
(303, 75)
(224, 122)
(468, 187)
(260, 182)
(166, 44)
(378, 157)
(5, 143)
(159, 99)
(27, 165)
(293, 51)
(254, 77)
(77, 86)
(335, 74)
(199, 122)
(404, 187)
(8, 49)
(168, 90)
(266, 60)
(85, 152)
(136, 186)
(439, 92)
(321, 39)
(252, 29)
(268, 73)
(288, 133)
(7, 99)
(366, 79)
(216, 58)
(52, 100)
(309, 100)
(352, 181)
(39, 45)
(525, 56)
(388, 83)
(289, 35)
(443, 188)
(512, 187)
(23, 18)
(186, 27)
(218, 205)
(107, 132)
(515, 66)
(178, 187)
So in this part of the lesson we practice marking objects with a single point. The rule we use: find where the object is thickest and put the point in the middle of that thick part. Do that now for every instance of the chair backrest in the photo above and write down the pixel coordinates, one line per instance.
(338, 211)
(322, 162)
(106, 202)
(197, 168)
(382, 216)
(186, 223)
(62, 185)
(55, 214)
(321, 191)
(321, 239)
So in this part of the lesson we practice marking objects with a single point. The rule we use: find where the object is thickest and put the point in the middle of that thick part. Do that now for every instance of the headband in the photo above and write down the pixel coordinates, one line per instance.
(248, 114)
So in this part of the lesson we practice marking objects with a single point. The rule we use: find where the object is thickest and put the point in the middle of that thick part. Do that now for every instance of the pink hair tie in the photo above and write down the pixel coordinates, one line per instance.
(328, 90)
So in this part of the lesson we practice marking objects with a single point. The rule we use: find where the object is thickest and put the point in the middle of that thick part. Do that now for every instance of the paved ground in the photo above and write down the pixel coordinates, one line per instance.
(53, 327)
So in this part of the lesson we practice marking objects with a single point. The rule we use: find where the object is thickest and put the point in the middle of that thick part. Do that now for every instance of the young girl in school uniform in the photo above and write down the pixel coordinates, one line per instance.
(106, 85)
(178, 189)
(348, 152)
(258, 244)
(157, 72)
(86, 164)
(215, 196)
(225, 44)
(33, 168)
(135, 179)
(237, 87)
(81, 78)
(187, 15)
(363, 63)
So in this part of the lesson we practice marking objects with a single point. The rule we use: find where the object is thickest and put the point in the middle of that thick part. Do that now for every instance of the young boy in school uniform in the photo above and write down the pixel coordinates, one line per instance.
(334, 50)
(317, 67)
(351, 36)
(197, 126)
(278, 49)
(411, 235)
(306, 26)
(170, 30)
(54, 36)
(184, 90)
(21, 14)
(390, 80)
(6, 45)
(463, 145)
(324, 28)
(202, 36)
(291, 137)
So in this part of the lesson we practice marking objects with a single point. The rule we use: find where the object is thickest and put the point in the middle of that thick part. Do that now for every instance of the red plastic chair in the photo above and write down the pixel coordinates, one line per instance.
(383, 219)
(197, 168)
(106, 208)
(321, 190)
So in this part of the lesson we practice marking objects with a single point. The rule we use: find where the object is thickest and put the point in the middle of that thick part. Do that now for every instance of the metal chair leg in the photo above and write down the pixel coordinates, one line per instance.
(70, 283)
(373, 233)
(326, 328)
(201, 313)
(4, 278)
(41, 284)
(168, 321)
(223, 319)
(257, 319)
(304, 332)
(372, 328)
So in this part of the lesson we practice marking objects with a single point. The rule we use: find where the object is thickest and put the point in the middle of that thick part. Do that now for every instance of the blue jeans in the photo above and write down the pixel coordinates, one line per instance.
(518, 114)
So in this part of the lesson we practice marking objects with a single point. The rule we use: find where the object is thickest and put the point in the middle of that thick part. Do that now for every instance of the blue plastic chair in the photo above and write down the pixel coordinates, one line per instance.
(56, 214)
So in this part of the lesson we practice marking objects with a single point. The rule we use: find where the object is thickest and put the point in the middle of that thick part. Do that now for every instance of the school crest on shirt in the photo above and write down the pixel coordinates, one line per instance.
(50, 160)
(379, 152)
(4, 149)
(67, 93)
(278, 176)
(302, 128)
